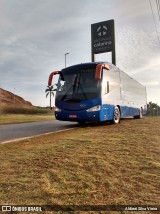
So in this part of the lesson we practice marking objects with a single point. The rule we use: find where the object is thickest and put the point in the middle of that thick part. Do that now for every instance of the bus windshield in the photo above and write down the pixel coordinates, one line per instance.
(78, 85)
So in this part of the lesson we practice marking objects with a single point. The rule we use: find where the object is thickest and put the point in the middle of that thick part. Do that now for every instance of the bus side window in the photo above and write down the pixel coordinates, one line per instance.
(61, 85)
(105, 82)
(107, 87)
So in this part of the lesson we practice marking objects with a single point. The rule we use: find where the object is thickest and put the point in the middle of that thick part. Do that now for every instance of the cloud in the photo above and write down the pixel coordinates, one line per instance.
(35, 36)
(152, 83)
(136, 48)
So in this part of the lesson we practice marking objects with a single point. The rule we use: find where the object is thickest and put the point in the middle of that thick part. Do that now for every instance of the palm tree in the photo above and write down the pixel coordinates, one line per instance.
(50, 91)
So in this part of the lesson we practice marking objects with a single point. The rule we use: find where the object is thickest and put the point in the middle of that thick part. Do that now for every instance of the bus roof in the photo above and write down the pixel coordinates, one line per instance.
(88, 64)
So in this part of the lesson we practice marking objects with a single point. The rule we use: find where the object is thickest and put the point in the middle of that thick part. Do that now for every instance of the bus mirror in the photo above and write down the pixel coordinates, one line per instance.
(99, 68)
(52, 74)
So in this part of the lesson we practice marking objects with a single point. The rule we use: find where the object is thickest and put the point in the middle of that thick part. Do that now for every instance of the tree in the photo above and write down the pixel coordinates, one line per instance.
(153, 109)
(50, 91)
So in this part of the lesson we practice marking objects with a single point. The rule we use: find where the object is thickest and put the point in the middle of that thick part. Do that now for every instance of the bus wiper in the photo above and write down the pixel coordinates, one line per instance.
(66, 94)
(72, 86)
(80, 86)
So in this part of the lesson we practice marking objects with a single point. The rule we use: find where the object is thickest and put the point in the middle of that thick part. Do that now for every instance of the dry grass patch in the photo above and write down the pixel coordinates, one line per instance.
(104, 164)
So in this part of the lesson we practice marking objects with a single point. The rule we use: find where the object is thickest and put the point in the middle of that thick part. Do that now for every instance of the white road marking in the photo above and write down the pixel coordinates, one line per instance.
(35, 136)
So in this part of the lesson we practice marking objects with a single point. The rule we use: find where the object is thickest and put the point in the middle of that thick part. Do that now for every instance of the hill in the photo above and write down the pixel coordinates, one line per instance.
(8, 99)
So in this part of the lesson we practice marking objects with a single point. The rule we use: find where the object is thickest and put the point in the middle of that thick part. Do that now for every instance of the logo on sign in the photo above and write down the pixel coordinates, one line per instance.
(102, 37)
(102, 30)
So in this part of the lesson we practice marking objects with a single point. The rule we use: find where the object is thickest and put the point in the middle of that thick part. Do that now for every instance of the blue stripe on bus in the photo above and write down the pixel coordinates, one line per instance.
(106, 113)
(129, 111)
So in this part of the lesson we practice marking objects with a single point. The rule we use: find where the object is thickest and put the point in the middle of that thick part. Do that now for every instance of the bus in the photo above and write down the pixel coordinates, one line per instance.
(97, 91)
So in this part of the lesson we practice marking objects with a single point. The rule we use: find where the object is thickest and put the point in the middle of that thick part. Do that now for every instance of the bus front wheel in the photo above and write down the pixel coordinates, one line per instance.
(116, 116)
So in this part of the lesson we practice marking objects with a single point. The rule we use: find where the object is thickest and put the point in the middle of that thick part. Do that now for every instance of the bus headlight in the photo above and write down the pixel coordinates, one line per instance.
(95, 108)
(57, 109)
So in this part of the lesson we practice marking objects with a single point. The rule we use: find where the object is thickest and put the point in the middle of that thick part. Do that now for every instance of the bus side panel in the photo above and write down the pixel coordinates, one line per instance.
(109, 102)
(111, 95)
(127, 111)
(133, 95)
(106, 112)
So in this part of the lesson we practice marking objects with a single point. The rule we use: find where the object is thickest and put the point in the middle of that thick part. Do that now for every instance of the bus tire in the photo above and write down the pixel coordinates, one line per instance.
(116, 115)
(140, 114)
(81, 123)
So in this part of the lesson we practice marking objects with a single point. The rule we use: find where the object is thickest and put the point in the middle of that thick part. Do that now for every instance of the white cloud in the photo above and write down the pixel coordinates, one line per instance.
(152, 83)
(136, 49)
(35, 35)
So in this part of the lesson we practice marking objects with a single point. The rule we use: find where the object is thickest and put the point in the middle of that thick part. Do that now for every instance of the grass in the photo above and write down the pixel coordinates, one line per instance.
(11, 115)
(23, 118)
(23, 110)
(104, 164)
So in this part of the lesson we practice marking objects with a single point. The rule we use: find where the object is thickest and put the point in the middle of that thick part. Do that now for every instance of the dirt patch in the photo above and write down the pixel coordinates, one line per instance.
(7, 98)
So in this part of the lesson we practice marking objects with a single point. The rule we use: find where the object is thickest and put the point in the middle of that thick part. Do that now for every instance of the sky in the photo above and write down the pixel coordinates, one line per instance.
(35, 35)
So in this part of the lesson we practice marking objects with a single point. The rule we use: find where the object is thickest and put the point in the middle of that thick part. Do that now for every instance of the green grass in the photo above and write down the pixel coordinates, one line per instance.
(104, 164)
(20, 110)
(20, 118)
(24, 115)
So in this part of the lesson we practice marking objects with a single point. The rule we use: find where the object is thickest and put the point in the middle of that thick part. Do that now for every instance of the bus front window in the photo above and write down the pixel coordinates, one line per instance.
(78, 86)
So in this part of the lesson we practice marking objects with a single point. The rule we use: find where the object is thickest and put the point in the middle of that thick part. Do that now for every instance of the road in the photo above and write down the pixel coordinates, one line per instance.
(17, 131)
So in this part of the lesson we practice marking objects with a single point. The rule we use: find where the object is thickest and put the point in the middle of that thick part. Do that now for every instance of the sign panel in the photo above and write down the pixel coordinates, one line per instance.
(103, 39)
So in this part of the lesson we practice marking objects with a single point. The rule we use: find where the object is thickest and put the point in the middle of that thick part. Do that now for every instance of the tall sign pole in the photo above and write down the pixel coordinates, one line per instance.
(103, 39)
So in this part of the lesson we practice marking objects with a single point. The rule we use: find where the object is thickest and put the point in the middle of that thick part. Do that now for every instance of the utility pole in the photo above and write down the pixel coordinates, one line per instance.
(65, 58)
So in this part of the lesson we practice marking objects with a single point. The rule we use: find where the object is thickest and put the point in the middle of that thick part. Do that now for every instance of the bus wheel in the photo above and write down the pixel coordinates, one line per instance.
(116, 116)
(140, 114)
(81, 123)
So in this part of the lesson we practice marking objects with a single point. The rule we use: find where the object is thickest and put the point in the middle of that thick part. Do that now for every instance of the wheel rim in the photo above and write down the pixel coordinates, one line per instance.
(116, 115)
(140, 115)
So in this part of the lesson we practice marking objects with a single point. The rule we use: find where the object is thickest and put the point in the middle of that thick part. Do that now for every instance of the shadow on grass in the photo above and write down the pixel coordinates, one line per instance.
(102, 123)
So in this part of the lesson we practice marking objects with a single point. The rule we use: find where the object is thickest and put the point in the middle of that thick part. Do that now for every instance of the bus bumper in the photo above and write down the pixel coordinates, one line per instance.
(78, 116)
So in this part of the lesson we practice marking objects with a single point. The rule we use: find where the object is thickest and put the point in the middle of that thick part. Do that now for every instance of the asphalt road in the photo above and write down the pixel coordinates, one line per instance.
(17, 131)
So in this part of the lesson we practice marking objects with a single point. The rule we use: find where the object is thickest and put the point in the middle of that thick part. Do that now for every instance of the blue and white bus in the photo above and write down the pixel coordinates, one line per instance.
(97, 91)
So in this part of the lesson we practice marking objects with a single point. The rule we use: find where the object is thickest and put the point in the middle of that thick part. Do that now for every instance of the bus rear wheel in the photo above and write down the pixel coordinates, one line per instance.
(140, 114)
(116, 116)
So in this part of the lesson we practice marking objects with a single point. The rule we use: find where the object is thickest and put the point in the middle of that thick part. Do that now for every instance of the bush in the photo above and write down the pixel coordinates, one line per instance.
(15, 110)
